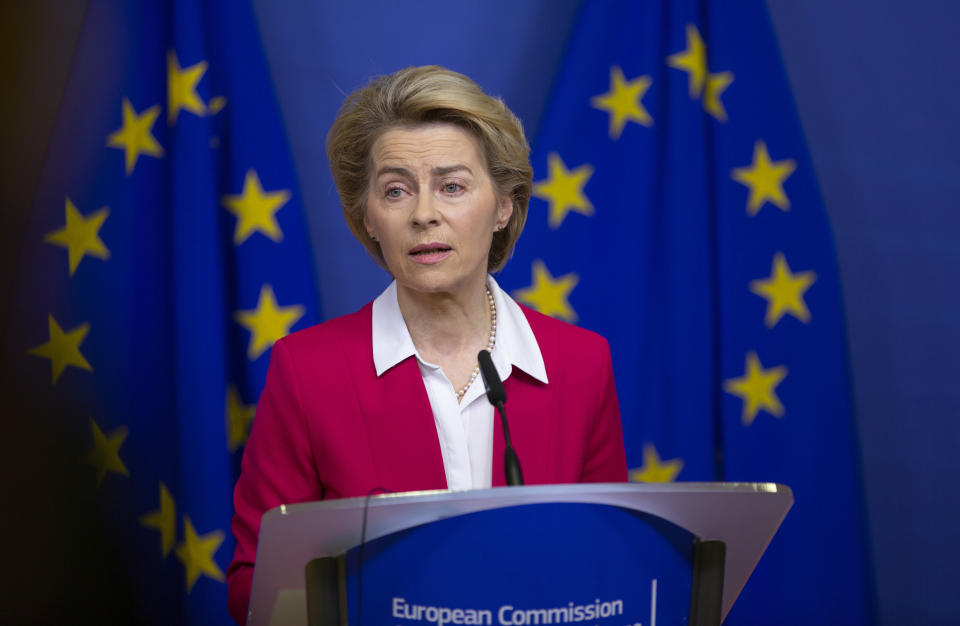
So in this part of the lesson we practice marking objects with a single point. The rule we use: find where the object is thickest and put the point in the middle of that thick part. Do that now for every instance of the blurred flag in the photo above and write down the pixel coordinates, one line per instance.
(167, 253)
(676, 212)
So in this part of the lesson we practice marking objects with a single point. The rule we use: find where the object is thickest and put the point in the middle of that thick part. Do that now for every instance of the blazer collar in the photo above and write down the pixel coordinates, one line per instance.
(516, 344)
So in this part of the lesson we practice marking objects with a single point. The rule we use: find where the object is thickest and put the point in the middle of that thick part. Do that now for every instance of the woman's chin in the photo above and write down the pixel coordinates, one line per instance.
(428, 285)
(434, 281)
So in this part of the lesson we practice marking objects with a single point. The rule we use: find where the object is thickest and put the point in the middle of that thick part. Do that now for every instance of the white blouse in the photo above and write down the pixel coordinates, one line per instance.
(464, 429)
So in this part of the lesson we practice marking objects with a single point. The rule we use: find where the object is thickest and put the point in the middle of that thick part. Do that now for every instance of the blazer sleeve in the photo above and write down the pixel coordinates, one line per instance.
(606, 460)
(277, 468)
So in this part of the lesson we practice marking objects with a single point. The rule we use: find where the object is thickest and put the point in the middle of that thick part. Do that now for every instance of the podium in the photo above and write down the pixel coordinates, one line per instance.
(615, 553)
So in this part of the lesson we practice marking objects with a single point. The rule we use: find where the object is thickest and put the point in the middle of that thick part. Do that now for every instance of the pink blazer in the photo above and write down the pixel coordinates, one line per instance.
(327, 427)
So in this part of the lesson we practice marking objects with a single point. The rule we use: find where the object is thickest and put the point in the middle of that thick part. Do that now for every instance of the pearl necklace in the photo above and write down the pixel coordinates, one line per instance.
(490, 344)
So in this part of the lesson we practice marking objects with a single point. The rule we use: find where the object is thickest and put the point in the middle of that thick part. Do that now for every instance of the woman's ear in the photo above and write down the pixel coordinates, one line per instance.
(504, 211)
(369, 227)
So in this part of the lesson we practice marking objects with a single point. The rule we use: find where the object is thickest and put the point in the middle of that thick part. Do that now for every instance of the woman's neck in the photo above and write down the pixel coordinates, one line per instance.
(445, 325)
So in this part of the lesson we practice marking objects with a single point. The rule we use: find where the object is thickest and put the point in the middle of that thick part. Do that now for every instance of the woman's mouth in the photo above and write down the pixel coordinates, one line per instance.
(429, 253)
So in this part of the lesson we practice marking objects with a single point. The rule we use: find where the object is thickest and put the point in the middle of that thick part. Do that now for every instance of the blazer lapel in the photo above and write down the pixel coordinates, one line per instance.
(528, 415)
(404, 447)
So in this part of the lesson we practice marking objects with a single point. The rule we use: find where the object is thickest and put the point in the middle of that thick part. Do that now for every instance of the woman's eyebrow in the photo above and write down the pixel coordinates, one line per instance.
(449, 169)
(436, 171)
(401, 171)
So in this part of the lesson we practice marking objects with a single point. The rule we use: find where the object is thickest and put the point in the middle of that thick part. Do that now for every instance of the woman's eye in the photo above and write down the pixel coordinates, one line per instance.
(396, 192)
(451, 188)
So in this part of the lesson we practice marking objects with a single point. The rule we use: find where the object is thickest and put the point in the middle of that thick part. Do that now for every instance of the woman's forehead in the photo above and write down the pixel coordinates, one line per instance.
(426, 147)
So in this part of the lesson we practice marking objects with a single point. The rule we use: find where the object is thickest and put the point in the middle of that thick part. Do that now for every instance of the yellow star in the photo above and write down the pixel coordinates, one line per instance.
(196, 552)
(255, 209)
(765, 179)
(63, 349)
(784, 291)
(564, 190)
(135, 136)
(268, 322)
(716, 85)
(182, 88)
(80, 236)
(623, 101)
(163, 519)
(105, 456)
(757, 389)
(549, 295)
(239, 418)
(654, 470)
(693, 60)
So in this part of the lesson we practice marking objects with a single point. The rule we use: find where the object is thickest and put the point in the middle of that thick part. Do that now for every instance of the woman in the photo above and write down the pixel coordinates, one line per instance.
(434, 179)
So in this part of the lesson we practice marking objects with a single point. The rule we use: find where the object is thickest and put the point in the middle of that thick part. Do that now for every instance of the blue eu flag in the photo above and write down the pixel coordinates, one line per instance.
(167, 253)
(676, 212)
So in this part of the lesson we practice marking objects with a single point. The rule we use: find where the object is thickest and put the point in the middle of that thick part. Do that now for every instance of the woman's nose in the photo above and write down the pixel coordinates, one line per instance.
(425, 211)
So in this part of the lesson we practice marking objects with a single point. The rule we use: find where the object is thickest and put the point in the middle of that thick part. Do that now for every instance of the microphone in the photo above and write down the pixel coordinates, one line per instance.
(497, 397)
(491, 380)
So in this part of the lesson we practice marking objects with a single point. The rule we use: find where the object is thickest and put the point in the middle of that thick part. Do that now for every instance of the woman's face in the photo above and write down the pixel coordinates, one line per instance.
(433, 208)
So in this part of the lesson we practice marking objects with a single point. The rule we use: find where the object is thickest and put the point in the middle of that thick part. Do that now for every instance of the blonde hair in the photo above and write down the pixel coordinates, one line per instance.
(425, 95)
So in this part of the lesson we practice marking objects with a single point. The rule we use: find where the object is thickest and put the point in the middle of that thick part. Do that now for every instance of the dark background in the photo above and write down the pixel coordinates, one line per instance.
(876, 85)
